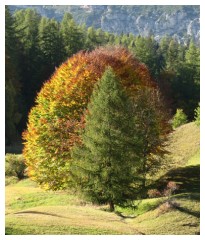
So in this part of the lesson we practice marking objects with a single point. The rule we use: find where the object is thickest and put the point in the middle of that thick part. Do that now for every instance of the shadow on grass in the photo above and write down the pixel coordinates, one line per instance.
(123, 216)
(42, 213)
(188, 179)
(13, 231)
(187, 211)
(191, 196)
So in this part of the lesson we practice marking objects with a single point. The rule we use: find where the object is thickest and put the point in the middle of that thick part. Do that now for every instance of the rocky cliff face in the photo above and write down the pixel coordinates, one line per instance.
(181, 22)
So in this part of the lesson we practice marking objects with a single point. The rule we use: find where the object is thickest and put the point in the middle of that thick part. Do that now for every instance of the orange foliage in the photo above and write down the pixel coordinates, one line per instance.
(55, 120)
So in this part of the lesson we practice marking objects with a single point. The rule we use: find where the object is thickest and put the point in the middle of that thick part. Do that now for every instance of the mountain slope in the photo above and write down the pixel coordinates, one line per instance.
(182, 22)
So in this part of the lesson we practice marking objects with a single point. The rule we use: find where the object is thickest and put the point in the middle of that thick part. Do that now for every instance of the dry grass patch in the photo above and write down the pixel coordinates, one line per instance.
(67, 217)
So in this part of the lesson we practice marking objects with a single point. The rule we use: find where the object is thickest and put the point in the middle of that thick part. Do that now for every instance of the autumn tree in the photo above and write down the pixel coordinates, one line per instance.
(55, 120)
(107, 162)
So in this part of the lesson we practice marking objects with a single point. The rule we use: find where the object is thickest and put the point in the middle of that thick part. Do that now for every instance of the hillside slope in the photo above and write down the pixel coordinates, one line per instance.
(31, 210)
(183, 146)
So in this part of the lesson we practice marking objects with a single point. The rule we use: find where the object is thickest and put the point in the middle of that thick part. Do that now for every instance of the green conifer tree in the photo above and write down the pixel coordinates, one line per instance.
(72, 34)
(106, 164)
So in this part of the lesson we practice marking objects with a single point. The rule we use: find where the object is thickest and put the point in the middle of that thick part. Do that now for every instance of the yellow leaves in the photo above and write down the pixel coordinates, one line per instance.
(57, 117)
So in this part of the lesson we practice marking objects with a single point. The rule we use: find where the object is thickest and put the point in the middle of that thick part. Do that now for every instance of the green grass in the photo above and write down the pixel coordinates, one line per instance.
(195, 159)
(183, 219)
(183, 145)
(69, 217)
(31, 210)
(64, 219)
(139, 207)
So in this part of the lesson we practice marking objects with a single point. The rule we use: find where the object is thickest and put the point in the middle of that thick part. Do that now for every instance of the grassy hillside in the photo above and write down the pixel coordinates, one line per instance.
(31, 210)
(184, 145)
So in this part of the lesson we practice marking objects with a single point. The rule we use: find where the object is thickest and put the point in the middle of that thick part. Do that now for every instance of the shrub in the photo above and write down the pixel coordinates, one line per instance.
(167, 206)
(170, 189)
(179, 118)
(58, 116)
(154, 193)
(197, 115)
(15, 165)
(170, 202)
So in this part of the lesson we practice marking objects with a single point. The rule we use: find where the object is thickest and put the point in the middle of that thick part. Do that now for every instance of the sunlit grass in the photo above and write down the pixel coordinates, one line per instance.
(181, 220)
(31, 210)
(184, 143)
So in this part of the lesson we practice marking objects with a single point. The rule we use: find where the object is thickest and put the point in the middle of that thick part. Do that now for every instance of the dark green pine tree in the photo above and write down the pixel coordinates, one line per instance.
(12, 80)
(106, 164)
(72, 35)
(147, 51)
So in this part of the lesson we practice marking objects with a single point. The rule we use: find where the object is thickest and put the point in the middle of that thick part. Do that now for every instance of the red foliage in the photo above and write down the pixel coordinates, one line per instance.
(55, 120)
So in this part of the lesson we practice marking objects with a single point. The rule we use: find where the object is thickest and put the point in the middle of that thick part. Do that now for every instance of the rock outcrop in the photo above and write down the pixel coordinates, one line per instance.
(180, 22)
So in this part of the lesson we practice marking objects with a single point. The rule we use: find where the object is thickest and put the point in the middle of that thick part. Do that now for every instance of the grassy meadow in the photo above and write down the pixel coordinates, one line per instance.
(31, 210)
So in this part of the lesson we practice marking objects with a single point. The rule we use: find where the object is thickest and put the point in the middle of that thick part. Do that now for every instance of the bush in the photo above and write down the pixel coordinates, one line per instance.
(197, 115)
(153, 193)
(15, 165)
(170, 189)
(179, 118)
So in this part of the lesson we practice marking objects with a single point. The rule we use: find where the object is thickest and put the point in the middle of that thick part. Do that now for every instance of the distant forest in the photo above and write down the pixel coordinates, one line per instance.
(36, 46)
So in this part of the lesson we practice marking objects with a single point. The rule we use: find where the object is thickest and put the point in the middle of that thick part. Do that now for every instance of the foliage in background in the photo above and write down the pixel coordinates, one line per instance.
(36, 46)
(12, 79)
(15, 165)
(179, 118)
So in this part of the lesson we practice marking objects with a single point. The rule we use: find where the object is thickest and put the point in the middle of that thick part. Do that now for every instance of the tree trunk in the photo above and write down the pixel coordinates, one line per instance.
(144, 178)
(112, 206)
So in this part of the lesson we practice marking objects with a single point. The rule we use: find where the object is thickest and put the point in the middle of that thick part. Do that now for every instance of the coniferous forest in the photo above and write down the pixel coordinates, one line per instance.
(109, 125)
(36, 46)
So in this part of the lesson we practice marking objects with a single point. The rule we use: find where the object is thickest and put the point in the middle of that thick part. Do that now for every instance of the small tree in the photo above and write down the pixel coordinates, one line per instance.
(105, 165)
(179, 118)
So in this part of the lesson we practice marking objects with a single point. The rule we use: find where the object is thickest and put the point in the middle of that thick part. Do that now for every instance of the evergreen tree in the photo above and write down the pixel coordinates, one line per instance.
(164, 45)
(51, 47)
(192, 58)
(179, 118)
(27, 22)
(172, 55)
(12, 80)
(106, 165)
(147, 51)
(72, 34)
(92, 40)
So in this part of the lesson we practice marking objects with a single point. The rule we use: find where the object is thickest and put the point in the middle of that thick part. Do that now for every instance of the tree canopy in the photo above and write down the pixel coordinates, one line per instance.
(54, 122)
